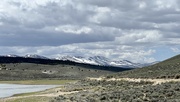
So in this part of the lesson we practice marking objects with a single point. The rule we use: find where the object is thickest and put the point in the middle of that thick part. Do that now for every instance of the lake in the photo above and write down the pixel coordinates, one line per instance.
(7, 90)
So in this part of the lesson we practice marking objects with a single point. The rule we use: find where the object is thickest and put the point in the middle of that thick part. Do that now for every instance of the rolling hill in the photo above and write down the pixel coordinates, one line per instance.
(37, 67)
(169, 68)
(156, 83)
(94, 60)
(103, 61)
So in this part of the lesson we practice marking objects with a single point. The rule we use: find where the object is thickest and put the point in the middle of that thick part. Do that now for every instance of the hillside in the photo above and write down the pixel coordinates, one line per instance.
(19, 68)
(93, 60)
(103, 61)
(148, 84)
(169, 68)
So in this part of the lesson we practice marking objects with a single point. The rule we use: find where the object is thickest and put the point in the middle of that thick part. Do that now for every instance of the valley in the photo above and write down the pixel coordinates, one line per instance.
(156, 83)
(31, 68)
(90, 50)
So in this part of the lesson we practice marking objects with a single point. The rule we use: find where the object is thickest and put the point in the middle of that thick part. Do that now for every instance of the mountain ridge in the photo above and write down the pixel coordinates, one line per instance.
(103, 61)
(93, 60)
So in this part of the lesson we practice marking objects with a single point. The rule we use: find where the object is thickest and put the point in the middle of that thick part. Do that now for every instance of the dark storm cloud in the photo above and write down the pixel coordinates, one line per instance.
(37, 38)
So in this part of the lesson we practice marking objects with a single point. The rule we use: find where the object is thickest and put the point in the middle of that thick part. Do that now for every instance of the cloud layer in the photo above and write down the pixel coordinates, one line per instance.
(117, 29)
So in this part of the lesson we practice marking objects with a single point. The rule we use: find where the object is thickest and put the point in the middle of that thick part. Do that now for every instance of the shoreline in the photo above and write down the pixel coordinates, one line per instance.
(39, 96)
(44, 93)
(13, 90)
(38, 82)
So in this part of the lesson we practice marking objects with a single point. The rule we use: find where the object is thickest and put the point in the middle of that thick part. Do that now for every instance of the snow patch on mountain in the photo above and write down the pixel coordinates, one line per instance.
(95, 60)
(77, 59)
(103, 61)
(35, 56)
(10, 55)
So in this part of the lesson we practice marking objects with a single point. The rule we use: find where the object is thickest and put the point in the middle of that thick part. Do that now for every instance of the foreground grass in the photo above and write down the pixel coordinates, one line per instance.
(121, 91)
(38, 82)
(31, 99)
(26, 94)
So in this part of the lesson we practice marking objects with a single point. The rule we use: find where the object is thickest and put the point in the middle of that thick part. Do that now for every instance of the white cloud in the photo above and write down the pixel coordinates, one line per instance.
(139, 56)
(73, 29)
(142, 5)
(1, 23)
(101, 14)
(112, 28)
(176, 50)
(149, 36)
(117, 53)
(171, 41)
(166, 4)
(139, 36)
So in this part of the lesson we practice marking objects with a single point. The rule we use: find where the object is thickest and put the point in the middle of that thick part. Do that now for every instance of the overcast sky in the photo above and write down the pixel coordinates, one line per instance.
(135, 30)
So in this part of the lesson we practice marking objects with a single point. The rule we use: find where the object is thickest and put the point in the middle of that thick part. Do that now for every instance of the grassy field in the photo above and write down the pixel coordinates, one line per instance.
(30, 71)
(30, 99)
(38, 82)
(121, 91)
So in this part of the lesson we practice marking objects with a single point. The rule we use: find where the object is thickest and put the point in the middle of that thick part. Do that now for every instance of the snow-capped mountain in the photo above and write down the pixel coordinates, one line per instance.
(10, 55)
(35, 56)
(103, 61)
(95, 60)
(26, 56)
(100, 60)
(126, 64)
(77, 59)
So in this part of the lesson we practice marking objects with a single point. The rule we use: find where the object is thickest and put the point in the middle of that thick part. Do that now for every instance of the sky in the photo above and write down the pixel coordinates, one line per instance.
(136, 30)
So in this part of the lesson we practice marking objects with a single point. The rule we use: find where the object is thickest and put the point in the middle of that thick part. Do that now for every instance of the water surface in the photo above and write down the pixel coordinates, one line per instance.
(7, 90)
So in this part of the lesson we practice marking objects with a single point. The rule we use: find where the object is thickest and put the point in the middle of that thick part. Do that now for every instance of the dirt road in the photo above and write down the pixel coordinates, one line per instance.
(155, 81)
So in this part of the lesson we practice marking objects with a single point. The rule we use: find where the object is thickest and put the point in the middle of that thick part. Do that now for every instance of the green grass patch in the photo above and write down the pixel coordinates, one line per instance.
(38, 82)
(31, 99)
(26, 94)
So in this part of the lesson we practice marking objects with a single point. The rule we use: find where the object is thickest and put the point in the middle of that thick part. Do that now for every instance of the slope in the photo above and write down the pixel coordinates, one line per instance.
(137, 85)
(20, 68)
(169, 68)
(103, 61)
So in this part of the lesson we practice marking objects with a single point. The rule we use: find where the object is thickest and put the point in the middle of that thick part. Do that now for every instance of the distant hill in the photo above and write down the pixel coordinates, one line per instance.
(103, 61)
(94, 60)
(169, 68)
(36, 67)
(44, 60)
(108, 89)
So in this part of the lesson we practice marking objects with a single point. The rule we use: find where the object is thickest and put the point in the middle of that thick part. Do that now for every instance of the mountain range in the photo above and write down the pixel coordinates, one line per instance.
(103, 61)
(95, 60)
